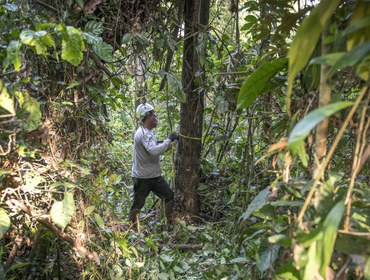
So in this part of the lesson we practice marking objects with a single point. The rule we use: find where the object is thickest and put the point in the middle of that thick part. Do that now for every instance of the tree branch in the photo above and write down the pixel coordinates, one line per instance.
(101, 65)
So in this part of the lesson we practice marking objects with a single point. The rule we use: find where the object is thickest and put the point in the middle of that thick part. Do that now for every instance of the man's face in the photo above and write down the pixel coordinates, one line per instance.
(151, 121)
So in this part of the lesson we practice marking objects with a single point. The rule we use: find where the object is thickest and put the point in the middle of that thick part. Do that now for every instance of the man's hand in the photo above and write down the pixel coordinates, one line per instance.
(173, 136)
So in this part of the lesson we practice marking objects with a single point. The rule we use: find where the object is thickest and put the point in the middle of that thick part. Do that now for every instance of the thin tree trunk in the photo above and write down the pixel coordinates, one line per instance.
(140, 82)
(324, 99)
(191, 123)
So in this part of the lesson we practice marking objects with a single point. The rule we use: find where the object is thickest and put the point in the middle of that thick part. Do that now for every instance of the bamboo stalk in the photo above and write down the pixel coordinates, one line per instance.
(356, 162)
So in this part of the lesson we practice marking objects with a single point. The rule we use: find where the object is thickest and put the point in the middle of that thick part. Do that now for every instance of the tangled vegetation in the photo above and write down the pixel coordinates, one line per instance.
(283, 183)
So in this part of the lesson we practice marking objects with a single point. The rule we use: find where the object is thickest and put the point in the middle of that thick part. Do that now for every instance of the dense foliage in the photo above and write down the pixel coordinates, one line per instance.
(284, 181)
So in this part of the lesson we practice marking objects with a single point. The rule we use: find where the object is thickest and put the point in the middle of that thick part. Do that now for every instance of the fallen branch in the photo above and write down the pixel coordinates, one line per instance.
(76, 243)
(182, 246)
(17, 245)
(47, 6)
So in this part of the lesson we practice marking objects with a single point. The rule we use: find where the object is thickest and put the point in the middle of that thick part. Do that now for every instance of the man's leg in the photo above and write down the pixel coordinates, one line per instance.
(161, 188)
(141, 192)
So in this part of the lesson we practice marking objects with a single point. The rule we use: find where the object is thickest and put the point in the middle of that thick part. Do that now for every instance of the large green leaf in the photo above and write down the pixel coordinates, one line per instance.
(6, 102)
(351, 58)
(321, 250)
(330, 227)
(4, 222)
(307, 37)
(13, 55)
(41, 40)
(312, 267)
(72, 44)
(62, 212)
(258, 202)
(29, 110)
(257, 83)
(103, 50)
(303, 127)
(266, 255)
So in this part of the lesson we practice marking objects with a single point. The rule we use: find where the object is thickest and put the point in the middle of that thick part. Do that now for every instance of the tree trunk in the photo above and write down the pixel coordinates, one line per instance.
(324, 99)
(188, 158)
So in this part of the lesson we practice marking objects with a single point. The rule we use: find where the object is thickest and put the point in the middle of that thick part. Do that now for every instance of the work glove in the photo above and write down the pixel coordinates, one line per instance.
(173, 136)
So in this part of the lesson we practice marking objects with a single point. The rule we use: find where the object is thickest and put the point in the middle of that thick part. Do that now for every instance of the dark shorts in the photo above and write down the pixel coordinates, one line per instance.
(142, 188)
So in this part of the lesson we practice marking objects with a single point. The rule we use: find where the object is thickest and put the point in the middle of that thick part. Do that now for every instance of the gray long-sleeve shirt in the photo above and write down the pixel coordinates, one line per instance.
(145, 163)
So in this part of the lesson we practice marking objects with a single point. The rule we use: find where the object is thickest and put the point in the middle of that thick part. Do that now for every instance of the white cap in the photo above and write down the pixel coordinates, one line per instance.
(143, 109)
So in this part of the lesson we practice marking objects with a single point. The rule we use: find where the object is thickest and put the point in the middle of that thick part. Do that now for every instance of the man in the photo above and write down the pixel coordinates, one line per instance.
(146, 171)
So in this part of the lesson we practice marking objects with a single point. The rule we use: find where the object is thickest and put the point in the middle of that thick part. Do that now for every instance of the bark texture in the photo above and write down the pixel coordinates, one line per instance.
(196, 14)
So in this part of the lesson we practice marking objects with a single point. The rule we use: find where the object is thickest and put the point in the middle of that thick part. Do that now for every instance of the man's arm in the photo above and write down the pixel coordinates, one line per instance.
(153, 148)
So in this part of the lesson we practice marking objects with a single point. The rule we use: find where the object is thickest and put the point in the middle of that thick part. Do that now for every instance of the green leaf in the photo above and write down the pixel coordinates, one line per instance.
(287, 272)
(103, 50)
(94, 27)
(142, 39)
(298, 147)
(73, 85)
(258, 81)
(6, 102)
(30, 110)
(329, 59)
(306, 239)
(167, 258)
(4, 222)
(356, 25)
(330, 228)
(258, 202)
(367, 269)
(126, 38)
(13, 55)
(266, 255)
(72, 44)
(91, 38)
(180, 94)
(306, 39)
(80, 3)
(352, 245)
(89, 210)
(359, 14)
(266, 212)
(39, 39)
(304, 126)
(99, 221)
(62, 212)
(287, 203)
(280, 239)
(311, 270)
(19, 265)
(351, 58)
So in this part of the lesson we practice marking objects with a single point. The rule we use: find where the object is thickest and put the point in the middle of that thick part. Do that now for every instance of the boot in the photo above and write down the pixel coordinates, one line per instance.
(168, 208)
(134, 219)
